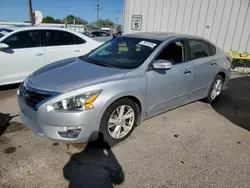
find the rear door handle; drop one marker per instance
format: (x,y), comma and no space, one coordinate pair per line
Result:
(187,71)
(214,63)
(38,53)
(76,50)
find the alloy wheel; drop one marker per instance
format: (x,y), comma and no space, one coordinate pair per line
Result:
(121,121)
(217,87)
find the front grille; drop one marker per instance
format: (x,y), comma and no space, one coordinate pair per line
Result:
(31,97)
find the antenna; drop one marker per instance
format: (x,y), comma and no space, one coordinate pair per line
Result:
(97,9)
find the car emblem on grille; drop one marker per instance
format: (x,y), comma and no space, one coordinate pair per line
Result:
(26,95)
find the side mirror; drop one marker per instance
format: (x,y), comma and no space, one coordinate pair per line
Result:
(161,64)
(3,46)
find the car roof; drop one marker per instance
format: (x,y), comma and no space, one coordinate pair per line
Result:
(162,36)
(99,31)
(24,28)
(27,28)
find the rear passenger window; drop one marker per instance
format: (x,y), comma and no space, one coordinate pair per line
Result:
(58,38)
(198,49)
(79,40)
(212,50)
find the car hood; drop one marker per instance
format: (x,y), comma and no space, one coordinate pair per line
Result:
(72,74)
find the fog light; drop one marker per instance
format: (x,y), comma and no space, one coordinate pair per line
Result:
(73,133)
(69,132)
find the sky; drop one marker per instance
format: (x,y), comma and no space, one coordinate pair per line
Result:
(17,10)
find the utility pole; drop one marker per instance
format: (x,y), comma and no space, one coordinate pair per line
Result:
(31,12)
(117,16)
(116,19)
(97,10)
(74,22)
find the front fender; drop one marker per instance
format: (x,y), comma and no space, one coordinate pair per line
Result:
(135,87)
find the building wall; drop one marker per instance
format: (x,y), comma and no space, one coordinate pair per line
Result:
(224,22)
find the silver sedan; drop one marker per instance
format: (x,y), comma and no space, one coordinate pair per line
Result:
(120,84)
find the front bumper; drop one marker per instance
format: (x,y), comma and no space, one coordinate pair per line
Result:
(47,123)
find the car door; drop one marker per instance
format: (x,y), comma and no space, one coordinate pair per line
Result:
(202,56)
(24,55)
(168,89)
(60,45)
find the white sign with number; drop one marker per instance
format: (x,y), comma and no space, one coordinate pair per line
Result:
(136,23)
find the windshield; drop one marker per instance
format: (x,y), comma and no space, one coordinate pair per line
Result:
(123,52)
(4,32)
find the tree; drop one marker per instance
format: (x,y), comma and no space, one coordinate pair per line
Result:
(50,19)
(104,23)
(70,19)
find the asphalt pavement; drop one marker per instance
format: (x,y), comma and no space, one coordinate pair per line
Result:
(197,145)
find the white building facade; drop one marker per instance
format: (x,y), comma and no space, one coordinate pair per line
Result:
(224,22)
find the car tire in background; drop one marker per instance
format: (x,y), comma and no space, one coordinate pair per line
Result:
(121,116)
(215,89)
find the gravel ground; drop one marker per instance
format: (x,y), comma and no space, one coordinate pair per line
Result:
(197,145)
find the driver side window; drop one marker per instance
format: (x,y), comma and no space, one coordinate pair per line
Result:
(173,52)
(24,39)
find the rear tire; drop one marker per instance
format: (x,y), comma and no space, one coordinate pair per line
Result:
(215,89)
(119,121)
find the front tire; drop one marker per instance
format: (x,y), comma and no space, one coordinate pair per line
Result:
(215,89)
(119,121)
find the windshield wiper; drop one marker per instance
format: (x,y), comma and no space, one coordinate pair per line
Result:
(91,61)
(102,64)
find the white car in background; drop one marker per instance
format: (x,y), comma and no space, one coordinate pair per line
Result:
(24,50)
(101,36)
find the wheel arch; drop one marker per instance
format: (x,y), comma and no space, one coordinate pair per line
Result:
(138,104)
(136,100)
(222,74)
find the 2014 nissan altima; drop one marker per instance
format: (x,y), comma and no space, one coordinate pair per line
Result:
(120,84)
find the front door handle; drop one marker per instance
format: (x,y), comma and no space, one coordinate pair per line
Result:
(214,63)
(187,71)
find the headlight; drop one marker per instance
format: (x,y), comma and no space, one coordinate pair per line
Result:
(23,84)
(80,102)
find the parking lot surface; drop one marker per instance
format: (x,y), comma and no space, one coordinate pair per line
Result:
(197,145)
